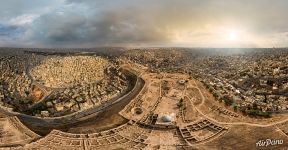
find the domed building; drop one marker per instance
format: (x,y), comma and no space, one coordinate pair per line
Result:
(166,118)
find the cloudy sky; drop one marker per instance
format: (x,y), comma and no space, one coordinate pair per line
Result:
(193,23)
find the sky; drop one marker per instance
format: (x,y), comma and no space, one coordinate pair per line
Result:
(179,23)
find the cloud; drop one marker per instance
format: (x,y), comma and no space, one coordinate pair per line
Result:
(91,23)
(23,19)
(11,32)
(100,27)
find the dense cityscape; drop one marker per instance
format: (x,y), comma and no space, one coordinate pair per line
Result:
(130,98)
(57,86)
(254,82)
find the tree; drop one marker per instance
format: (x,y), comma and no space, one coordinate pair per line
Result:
(235,108)
(228,101)
(254,106)
(180,103)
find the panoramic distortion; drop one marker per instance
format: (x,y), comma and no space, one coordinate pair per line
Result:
(143,75)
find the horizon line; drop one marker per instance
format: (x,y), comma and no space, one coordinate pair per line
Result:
(144,47)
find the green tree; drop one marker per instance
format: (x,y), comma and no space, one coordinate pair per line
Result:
(235,107)
(180,103)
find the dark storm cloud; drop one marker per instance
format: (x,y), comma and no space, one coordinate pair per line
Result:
(123,22)
(99,27)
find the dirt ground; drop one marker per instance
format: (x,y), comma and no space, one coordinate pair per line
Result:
(242,137)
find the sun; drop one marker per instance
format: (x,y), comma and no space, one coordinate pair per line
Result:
(232,35)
